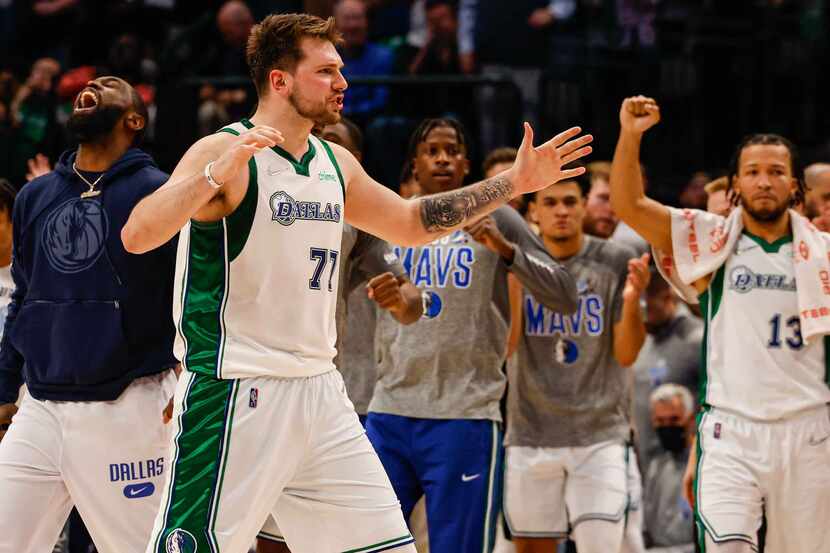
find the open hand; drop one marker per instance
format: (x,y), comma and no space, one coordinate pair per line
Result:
(536,168)
(638,278)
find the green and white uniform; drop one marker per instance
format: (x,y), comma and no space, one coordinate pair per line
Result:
(263,423)
(763,448)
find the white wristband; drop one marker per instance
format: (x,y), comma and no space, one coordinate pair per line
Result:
(213,184)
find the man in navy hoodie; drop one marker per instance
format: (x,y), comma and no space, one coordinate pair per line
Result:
(89,330)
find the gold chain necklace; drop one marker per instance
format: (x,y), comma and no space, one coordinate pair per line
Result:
(91,192)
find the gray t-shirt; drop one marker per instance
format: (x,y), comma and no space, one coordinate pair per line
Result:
(667,516)
(449,364)
(670,356)
(365,257)
(566,387)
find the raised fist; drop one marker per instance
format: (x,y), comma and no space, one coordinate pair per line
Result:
(638,114)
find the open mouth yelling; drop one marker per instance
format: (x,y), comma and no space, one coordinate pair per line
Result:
(86,101)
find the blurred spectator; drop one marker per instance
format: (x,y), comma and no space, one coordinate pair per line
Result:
(197,52)
(600,219)
(45,27)
(409,187)
(670,354)
(636,22)
(717,197)
(439,54)
(363,58)
(693,195)
(817,176)
(509,39)
(500,159)
(33,116)
(669,521)
(8,87)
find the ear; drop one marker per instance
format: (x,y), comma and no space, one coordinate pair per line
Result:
(466,167)
(415,172)
(280,80)
(134,121)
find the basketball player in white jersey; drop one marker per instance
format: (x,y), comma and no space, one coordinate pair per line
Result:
(762,445)
(263,425)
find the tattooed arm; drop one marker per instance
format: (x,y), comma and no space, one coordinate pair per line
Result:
(379,211)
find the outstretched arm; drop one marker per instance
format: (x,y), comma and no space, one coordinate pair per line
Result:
(650,219)
(379,211)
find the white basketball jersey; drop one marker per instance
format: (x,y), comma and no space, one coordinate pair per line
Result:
(756,363)
(256,292)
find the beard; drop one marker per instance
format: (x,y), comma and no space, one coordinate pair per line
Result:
(90,127)
(765,215)
(318,113)
(601,228)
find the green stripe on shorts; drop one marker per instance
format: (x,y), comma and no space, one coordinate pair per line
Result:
(199,466)
(384,545)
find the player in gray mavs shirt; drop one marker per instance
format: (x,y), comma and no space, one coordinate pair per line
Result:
(434,417)
(568,399)
(370,277)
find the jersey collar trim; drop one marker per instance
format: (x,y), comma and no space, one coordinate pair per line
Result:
(769,247)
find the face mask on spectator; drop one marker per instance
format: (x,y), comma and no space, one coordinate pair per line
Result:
(672,438)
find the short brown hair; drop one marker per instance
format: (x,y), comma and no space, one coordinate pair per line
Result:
(716,185)
(499,155)
(274,43)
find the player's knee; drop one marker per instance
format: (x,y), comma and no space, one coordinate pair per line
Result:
(598,536)
(534,545)
(732,546)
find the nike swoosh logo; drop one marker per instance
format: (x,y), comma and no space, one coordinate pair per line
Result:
(273,172)
(465,478)
(135,492)
(813,441)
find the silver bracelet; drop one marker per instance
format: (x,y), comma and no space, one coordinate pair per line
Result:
(213,184)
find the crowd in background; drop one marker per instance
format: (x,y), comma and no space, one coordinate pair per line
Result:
(571,61)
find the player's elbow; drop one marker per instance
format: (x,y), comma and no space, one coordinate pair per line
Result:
(569,299)
(131,238)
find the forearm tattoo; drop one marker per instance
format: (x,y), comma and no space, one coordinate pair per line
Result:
(450,209)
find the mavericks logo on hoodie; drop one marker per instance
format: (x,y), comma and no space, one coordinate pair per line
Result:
(74,235)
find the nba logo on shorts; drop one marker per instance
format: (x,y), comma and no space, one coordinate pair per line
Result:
(254,397)
(180,541)
(717,431)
